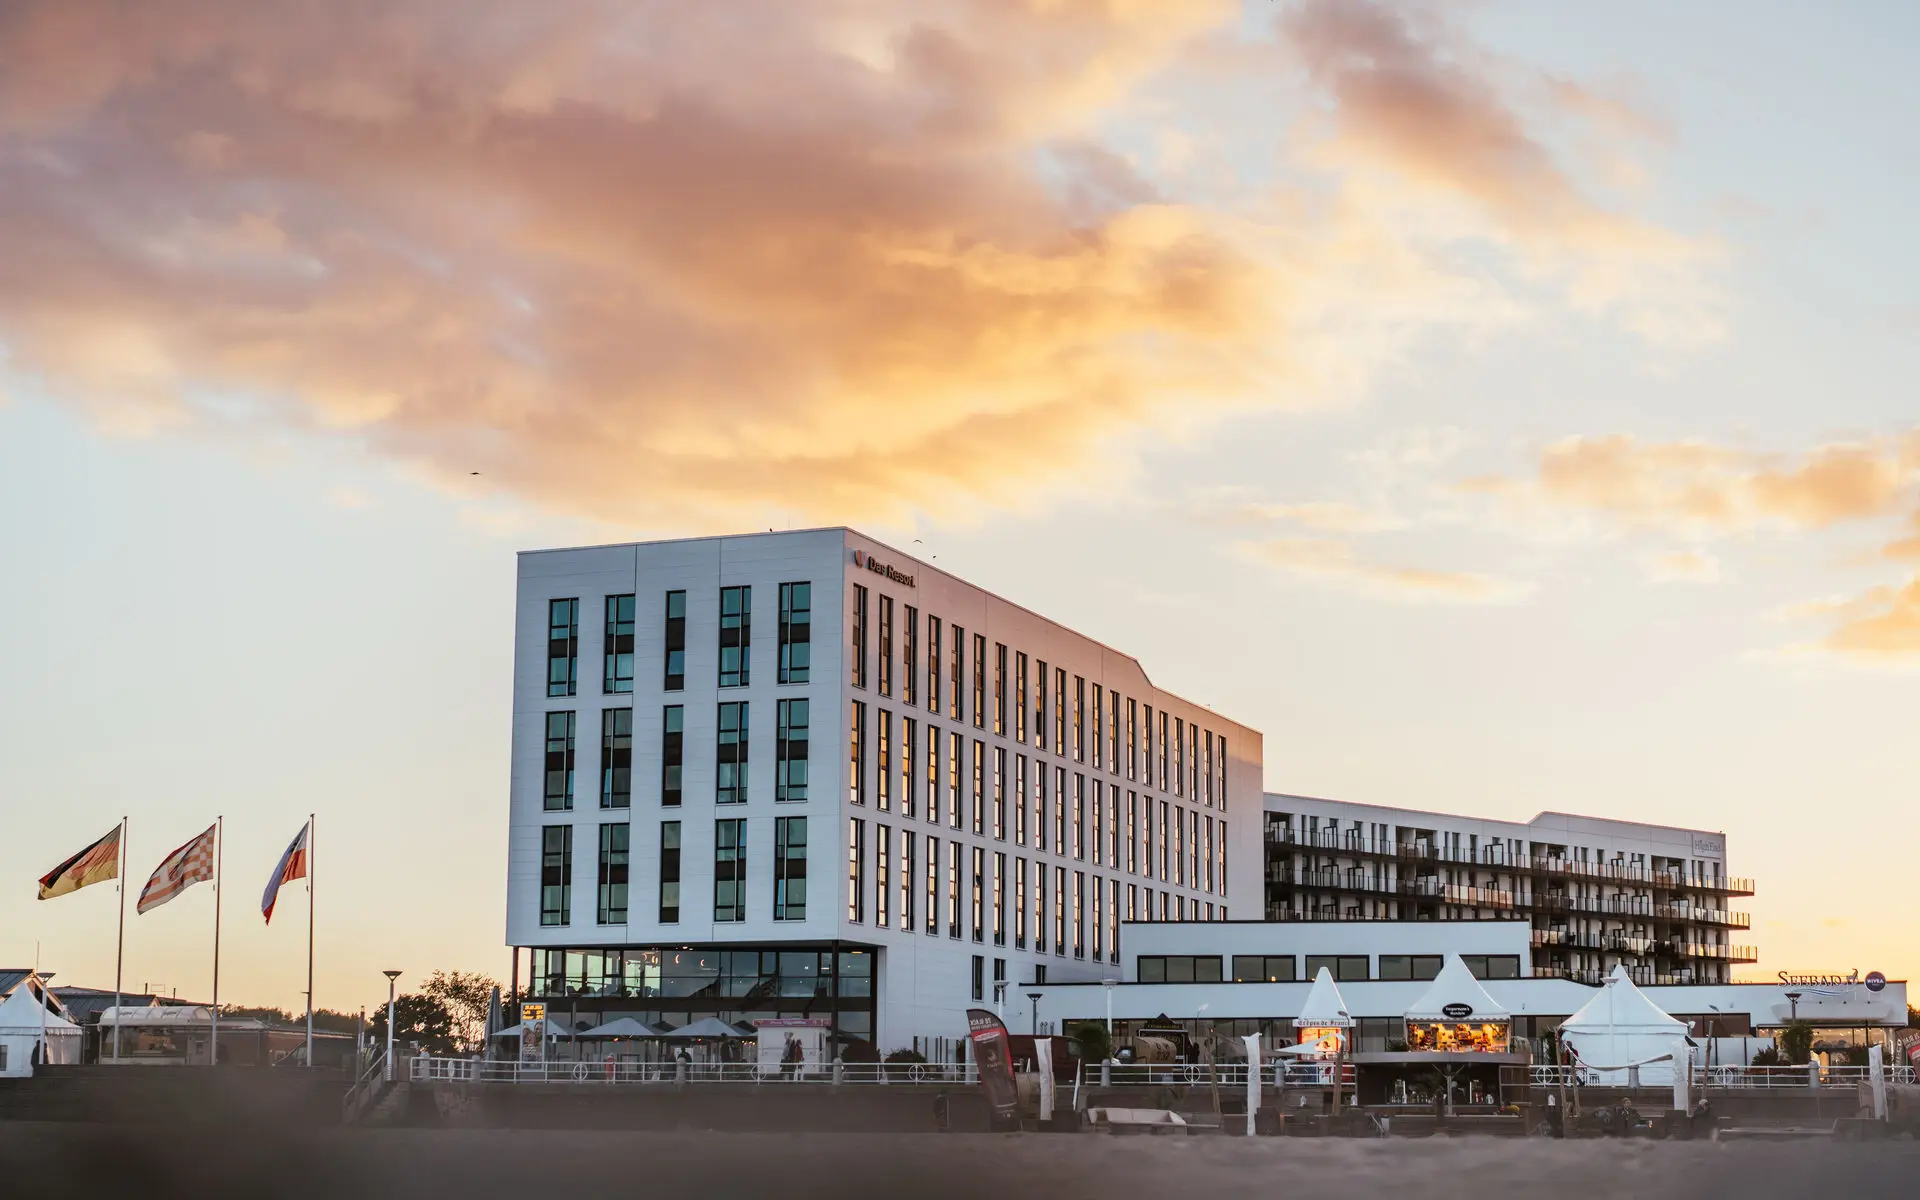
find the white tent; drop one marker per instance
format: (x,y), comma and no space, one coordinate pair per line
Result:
(1455,995)
(1325,1008)
(1619,1028)
(21,1025)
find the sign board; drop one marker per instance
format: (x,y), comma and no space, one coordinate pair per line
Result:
(993,1055)
(1456,1012)
(533,1032)
(791,1046)
(1876,981)
(867,562)
(1707,846)
(1826,980)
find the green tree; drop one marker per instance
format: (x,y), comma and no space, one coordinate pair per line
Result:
(466,996)
(1091,1041)
(418,1018)
(1796,1043)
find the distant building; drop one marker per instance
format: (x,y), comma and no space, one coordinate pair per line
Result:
(1597,893)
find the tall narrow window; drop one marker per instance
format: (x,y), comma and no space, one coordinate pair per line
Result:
(1147,825)
(563,646)
(1209,767)
(1180,846)
(730,754)
(882,848)
(1163,750)
(1020,697)
(1113,826)
(669,872)
(1000,689)
(730,869)
(858,651)
(956,750)
(672,746)
(796,632)
(1220,857)
(1019,904)
(979,925)
(789,868)
(1020,799)
(956,682)
(1096,917)
(617,673)
(1000,793)
(883,764)
(736,636)
(1113,732)
(980,682)
(1193,761)
(933,886)
(675,642)
(556,874)
(999,898)
(613,874)
(1060,711)
(1207,849)
(979,786)
(1098,741)
(1080,718)
(1193,849)
(1060,910)
(857,753)
(908,780)
(790,750)
(933,773)
(883,661)
(1223,775)
(1179,756)
(909,653)
(979,978)
(1146,739)
(1079,914)
(1099,841)
(1040,924)
(559,761)
(1133,738)
(1163,843)
(616,757)
(953,888)
(908,881)
(1133,836)
(1113,920)
(1060,811)
(933,664)
(1040,706)
(1079,815)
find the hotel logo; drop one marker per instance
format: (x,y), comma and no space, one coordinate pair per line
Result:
(868,562)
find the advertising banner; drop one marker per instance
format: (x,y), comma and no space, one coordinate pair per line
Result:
(791,1047)
(1043,1059)
(533,1033)
(993,1055)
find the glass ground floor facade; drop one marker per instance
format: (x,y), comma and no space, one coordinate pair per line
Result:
(676,985)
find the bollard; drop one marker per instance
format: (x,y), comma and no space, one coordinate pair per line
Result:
(1106,1073)
(680,1071)
(839,1071)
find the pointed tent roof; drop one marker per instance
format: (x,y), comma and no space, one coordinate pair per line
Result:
(1623,1008)
(706,1027)
(1325,1007)
(624,1027)
(1456,985)
(21,1010)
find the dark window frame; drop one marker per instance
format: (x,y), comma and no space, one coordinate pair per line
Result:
(615,865)
(736,636)
(616,758)
(796,632)
(617,646)
(556,875)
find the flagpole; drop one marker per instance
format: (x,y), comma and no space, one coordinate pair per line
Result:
(120,947)
(310,867)
(219,853)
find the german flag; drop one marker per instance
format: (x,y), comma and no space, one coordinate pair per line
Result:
(98,862)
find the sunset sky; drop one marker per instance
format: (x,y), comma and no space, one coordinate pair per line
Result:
(1504,406)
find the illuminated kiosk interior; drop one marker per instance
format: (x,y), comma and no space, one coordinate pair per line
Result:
(1324,1023)
(1457,1040)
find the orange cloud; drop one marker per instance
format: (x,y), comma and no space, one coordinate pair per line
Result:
(1335,562)
(671,264)
(1883,624)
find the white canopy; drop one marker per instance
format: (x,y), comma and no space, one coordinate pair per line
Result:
(625,1027)
(554,1032)
(707,1027)
(1620,1026)
(1325,1007)
(1455,995)
(21,1014)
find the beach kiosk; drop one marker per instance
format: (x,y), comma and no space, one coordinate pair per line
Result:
(1321,1034)
(1457,1040)
(1620,1033)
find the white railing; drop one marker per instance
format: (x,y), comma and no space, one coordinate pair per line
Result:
(1767,1078)
(603,1073)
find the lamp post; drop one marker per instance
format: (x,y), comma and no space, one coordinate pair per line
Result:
(1793,999)
(1033,998)
(1000,999)
(391,976)
(1107,985)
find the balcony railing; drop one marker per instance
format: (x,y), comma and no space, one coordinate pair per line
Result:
(1497,857)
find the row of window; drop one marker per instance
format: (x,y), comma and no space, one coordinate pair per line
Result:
(1279,968)
(729,872)
(1191,761)
(1182,846)
(735,640)
(993,901)
(904,883)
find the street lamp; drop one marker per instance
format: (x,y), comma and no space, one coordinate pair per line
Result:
(1108,984)
(1793,998)
(391,976)
(1034,1015)
(1000,999)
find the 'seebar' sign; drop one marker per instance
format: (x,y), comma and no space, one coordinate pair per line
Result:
(868,562)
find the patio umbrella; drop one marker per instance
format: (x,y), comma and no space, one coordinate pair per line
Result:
(706,1028)
(625,1027)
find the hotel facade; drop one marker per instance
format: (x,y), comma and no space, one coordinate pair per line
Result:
(805,776)
(1596,893)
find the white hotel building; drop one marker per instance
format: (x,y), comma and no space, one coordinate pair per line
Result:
(805,775)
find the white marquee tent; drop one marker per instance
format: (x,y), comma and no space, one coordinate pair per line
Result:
(1455,995)
(1621,1028)
(21,1028)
